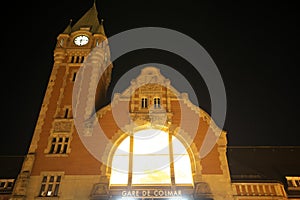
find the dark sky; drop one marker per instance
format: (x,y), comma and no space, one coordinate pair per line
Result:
(254,45)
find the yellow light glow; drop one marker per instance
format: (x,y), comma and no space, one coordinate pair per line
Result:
(151,160)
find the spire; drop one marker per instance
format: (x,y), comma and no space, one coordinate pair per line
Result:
(68,28)
(101,28)
(89,19)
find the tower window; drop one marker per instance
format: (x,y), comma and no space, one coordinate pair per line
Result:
(59,145)
(66,115)
(74,76)
(50,185)
(81,59)
(156,102)
(77,59)
(144,103)
(72,59)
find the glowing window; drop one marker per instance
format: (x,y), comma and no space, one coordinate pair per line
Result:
(144,103)
(156,102)
(146,158)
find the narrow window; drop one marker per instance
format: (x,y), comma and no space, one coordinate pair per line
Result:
(53,143)
(72,59)
(81,59)
(156,102)
(66,113)
(77,59)
(50,186)
(74,76)
(43,187)
(57,186)
(144,103)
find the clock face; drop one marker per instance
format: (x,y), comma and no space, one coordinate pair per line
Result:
(81,40)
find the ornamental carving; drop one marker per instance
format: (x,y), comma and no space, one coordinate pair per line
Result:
(99,191)
(150,88)
(61,126)
(202,189)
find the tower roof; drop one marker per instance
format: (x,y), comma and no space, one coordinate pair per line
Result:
(89,19)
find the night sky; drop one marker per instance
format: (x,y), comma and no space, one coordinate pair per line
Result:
(254,45)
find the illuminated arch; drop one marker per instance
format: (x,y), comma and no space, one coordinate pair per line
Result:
(150,157)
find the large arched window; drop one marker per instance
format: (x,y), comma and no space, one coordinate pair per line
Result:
(151,157)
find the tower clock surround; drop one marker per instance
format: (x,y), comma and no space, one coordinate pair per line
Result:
(81,40)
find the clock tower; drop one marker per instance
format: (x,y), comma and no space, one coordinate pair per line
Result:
(76,42)
(49,154)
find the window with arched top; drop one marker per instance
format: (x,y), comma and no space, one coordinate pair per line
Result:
(150,157)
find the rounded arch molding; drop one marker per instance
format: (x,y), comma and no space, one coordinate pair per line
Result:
(180,134)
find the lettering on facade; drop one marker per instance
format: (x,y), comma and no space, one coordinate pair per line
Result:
(150,193)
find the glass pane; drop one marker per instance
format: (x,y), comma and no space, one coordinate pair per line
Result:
(151,141)
(65,149)
(56,190)
(44,179)
(49,191)
(119,170)
(120,163)
(151,169)
(58,148)
(52,148)
(151,160)
(182,169)
(178,147)
(42,191)
(58,178)
(123,148)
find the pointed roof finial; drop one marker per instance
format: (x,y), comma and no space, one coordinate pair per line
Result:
(69,27)
(101,28)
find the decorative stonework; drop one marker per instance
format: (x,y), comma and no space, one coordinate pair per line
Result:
(21,184)
(99,192)
(62,126)
(204,115)
(150,88)
(202,189)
